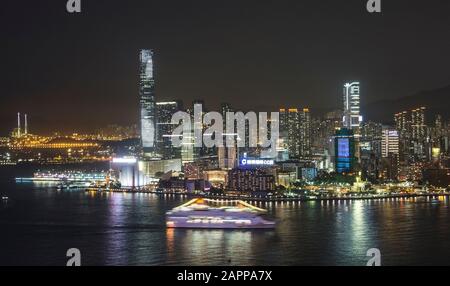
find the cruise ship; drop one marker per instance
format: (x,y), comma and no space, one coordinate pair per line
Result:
(198,214)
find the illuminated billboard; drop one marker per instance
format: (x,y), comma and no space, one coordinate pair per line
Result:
(343,147)
(255,162)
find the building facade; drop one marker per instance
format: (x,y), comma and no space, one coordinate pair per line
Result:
(147,103)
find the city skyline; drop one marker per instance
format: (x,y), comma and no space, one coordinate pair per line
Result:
(216,61)
(211,133)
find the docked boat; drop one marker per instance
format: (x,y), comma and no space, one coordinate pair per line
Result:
(198,214)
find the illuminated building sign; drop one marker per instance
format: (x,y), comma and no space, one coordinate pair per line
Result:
(256,162)
(124,160)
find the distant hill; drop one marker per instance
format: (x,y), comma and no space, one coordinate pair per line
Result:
(436,101)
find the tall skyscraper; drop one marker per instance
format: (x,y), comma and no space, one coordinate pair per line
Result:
(305,133)
(293,128)
(418,124)
(344,143)
(147,103)
(352,118)
(402,123)
(389,142)
(413,134)
(164,129)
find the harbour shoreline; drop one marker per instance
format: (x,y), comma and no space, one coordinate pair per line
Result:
(271,198)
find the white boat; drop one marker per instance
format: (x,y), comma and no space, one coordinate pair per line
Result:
(197,214)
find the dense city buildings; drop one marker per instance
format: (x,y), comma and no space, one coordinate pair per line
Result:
(334,148)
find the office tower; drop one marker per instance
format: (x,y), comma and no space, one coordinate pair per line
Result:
(371,134)
(187,148)
(418,124)
(402,123)
(403,126)
(282,144)
(227,155)
(293,132)
(344,143)
(413,134)
(389,142)
(305,133)
(164,129)
(147,103)
(352,118)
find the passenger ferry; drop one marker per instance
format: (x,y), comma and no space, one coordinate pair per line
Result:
(198,214)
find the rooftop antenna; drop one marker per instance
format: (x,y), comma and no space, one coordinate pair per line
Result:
(18,124)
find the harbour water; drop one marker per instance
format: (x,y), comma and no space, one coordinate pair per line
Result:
(39,223)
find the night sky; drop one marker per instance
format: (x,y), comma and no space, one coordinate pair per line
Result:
(80,71)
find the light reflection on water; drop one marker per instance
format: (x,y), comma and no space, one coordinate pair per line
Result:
(40,224)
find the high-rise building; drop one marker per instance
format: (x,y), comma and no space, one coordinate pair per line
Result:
(389,142)
(402,123)
(305,133)
(147,103)
(352,118)
(412,130)
(164,128)
(344,143)
(293,134)
(418,124)
(295,130)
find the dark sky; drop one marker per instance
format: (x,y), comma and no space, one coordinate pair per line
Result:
(79,71)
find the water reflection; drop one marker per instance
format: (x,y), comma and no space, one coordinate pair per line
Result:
(226,247)
(129,229)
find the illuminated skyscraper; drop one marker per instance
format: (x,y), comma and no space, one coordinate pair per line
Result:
(418,124)
(147,103)
(352,118)
(305,133)
(344,143)
(389,142)
(164,128)
(293,128)
(295,131)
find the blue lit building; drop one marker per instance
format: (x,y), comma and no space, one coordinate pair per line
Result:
(344,143)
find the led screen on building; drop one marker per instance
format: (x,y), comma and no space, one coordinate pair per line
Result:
(343,147)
